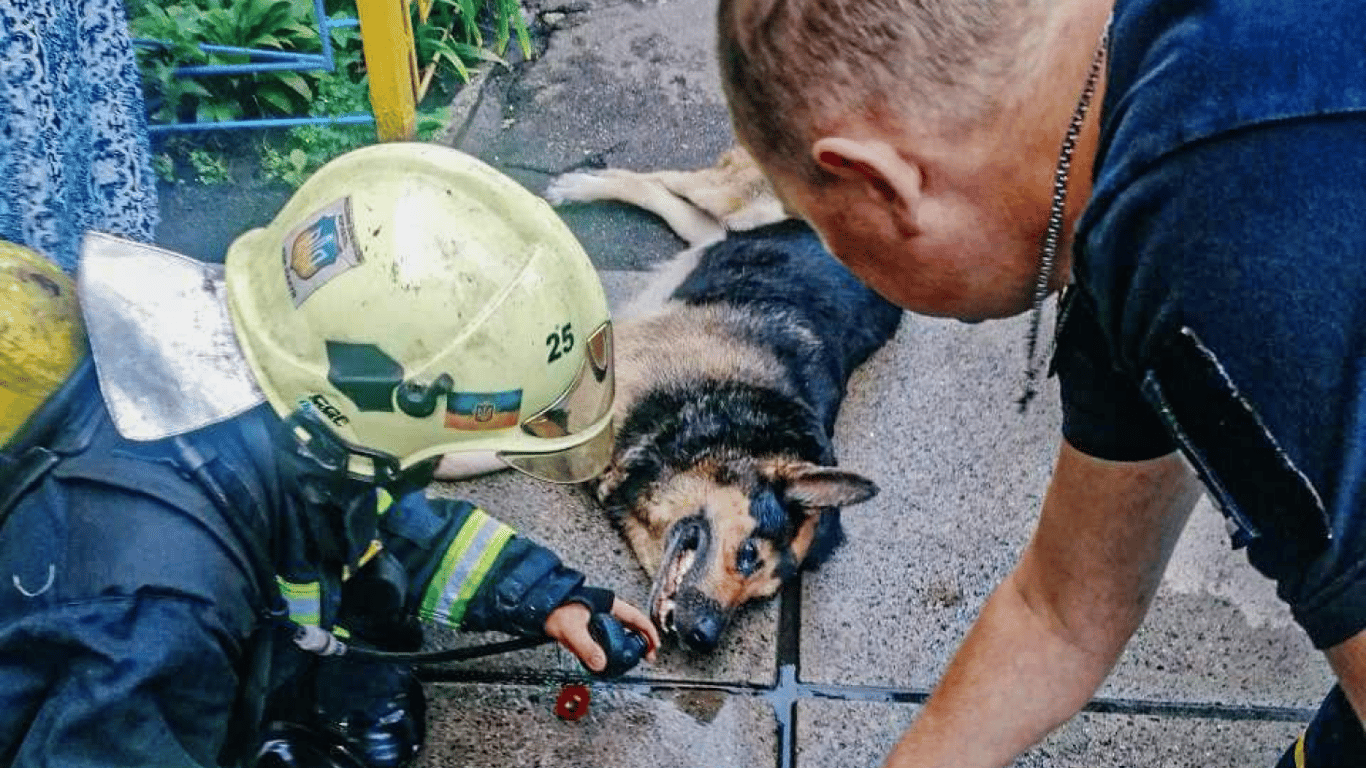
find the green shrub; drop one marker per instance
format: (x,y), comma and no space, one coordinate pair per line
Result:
(209,168)
(457,34)
(305,148)
(279,25)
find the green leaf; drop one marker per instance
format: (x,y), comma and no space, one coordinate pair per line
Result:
(295,82)
(218,112)
(276,98)
(523,35)
(502,13)
(469,16)
(190,87)
(474,53)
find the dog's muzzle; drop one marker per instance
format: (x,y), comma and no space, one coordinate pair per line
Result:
(699,621)
(678,607)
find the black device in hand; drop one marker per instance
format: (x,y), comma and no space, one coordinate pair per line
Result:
(624,647)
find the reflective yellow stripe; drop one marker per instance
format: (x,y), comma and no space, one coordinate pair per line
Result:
(1299,750)
(457,590)
(463,567)
(383,501)
(304,601)
(476,576)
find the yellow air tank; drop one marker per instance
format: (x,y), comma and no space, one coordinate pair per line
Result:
(41,334)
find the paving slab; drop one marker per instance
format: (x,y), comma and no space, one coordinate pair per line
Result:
(617,83)
(858,734)
(502,726)
(932,419)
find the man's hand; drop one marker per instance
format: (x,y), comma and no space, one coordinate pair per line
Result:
(568,624)
(1048,636)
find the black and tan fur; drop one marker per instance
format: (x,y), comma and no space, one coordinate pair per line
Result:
(730,369)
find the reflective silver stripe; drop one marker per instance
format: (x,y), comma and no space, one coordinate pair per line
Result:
(469,560)
(303,600)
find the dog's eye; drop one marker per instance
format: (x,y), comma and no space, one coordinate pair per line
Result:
(747,559)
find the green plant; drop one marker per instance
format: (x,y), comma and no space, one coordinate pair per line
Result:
(209,168)
(452,35)
(164,167)
(450,40)
(456,35)
(180,29)
(305,148)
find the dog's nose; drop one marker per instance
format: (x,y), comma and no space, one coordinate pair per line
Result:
(704,635)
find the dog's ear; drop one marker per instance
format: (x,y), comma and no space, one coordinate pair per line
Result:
(813,486)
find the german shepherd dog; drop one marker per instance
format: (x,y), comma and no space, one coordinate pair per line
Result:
(731,368)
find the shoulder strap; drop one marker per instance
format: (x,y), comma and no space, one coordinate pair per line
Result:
(59,428)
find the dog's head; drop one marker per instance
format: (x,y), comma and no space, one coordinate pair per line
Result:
(726,532)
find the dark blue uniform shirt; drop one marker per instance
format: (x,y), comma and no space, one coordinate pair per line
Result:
(1220,296)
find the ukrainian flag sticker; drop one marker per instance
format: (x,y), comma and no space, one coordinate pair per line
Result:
(478,411)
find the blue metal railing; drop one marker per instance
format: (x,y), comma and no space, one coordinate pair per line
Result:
(266,60)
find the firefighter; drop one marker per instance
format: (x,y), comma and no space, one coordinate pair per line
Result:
(233,470)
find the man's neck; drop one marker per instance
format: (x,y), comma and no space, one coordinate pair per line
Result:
(1071,41)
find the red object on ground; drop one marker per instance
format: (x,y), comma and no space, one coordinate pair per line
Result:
(573,702)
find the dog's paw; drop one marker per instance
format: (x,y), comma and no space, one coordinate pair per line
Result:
(576,187)
(463,466)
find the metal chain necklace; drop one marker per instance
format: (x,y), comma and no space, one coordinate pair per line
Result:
(1048,250)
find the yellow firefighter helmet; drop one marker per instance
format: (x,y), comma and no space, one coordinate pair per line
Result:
(416,302)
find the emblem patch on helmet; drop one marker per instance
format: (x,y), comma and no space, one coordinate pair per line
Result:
(476,411)
(318,250)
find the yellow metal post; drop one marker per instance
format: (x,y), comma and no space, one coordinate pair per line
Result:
(386,32)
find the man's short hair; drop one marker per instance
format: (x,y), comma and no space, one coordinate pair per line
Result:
(788,66)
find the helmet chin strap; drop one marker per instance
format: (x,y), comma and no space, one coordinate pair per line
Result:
(327,456)
(319,468)
(1048,249)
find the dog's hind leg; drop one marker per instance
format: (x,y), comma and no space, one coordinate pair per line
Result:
(686,220)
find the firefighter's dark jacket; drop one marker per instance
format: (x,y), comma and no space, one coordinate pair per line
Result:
(145,586)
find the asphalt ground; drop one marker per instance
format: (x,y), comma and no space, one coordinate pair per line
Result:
(833,670)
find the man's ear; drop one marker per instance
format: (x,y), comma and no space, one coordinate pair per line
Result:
(888,177)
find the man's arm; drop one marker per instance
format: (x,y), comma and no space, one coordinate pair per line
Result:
(1050,633)
(1348,660)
